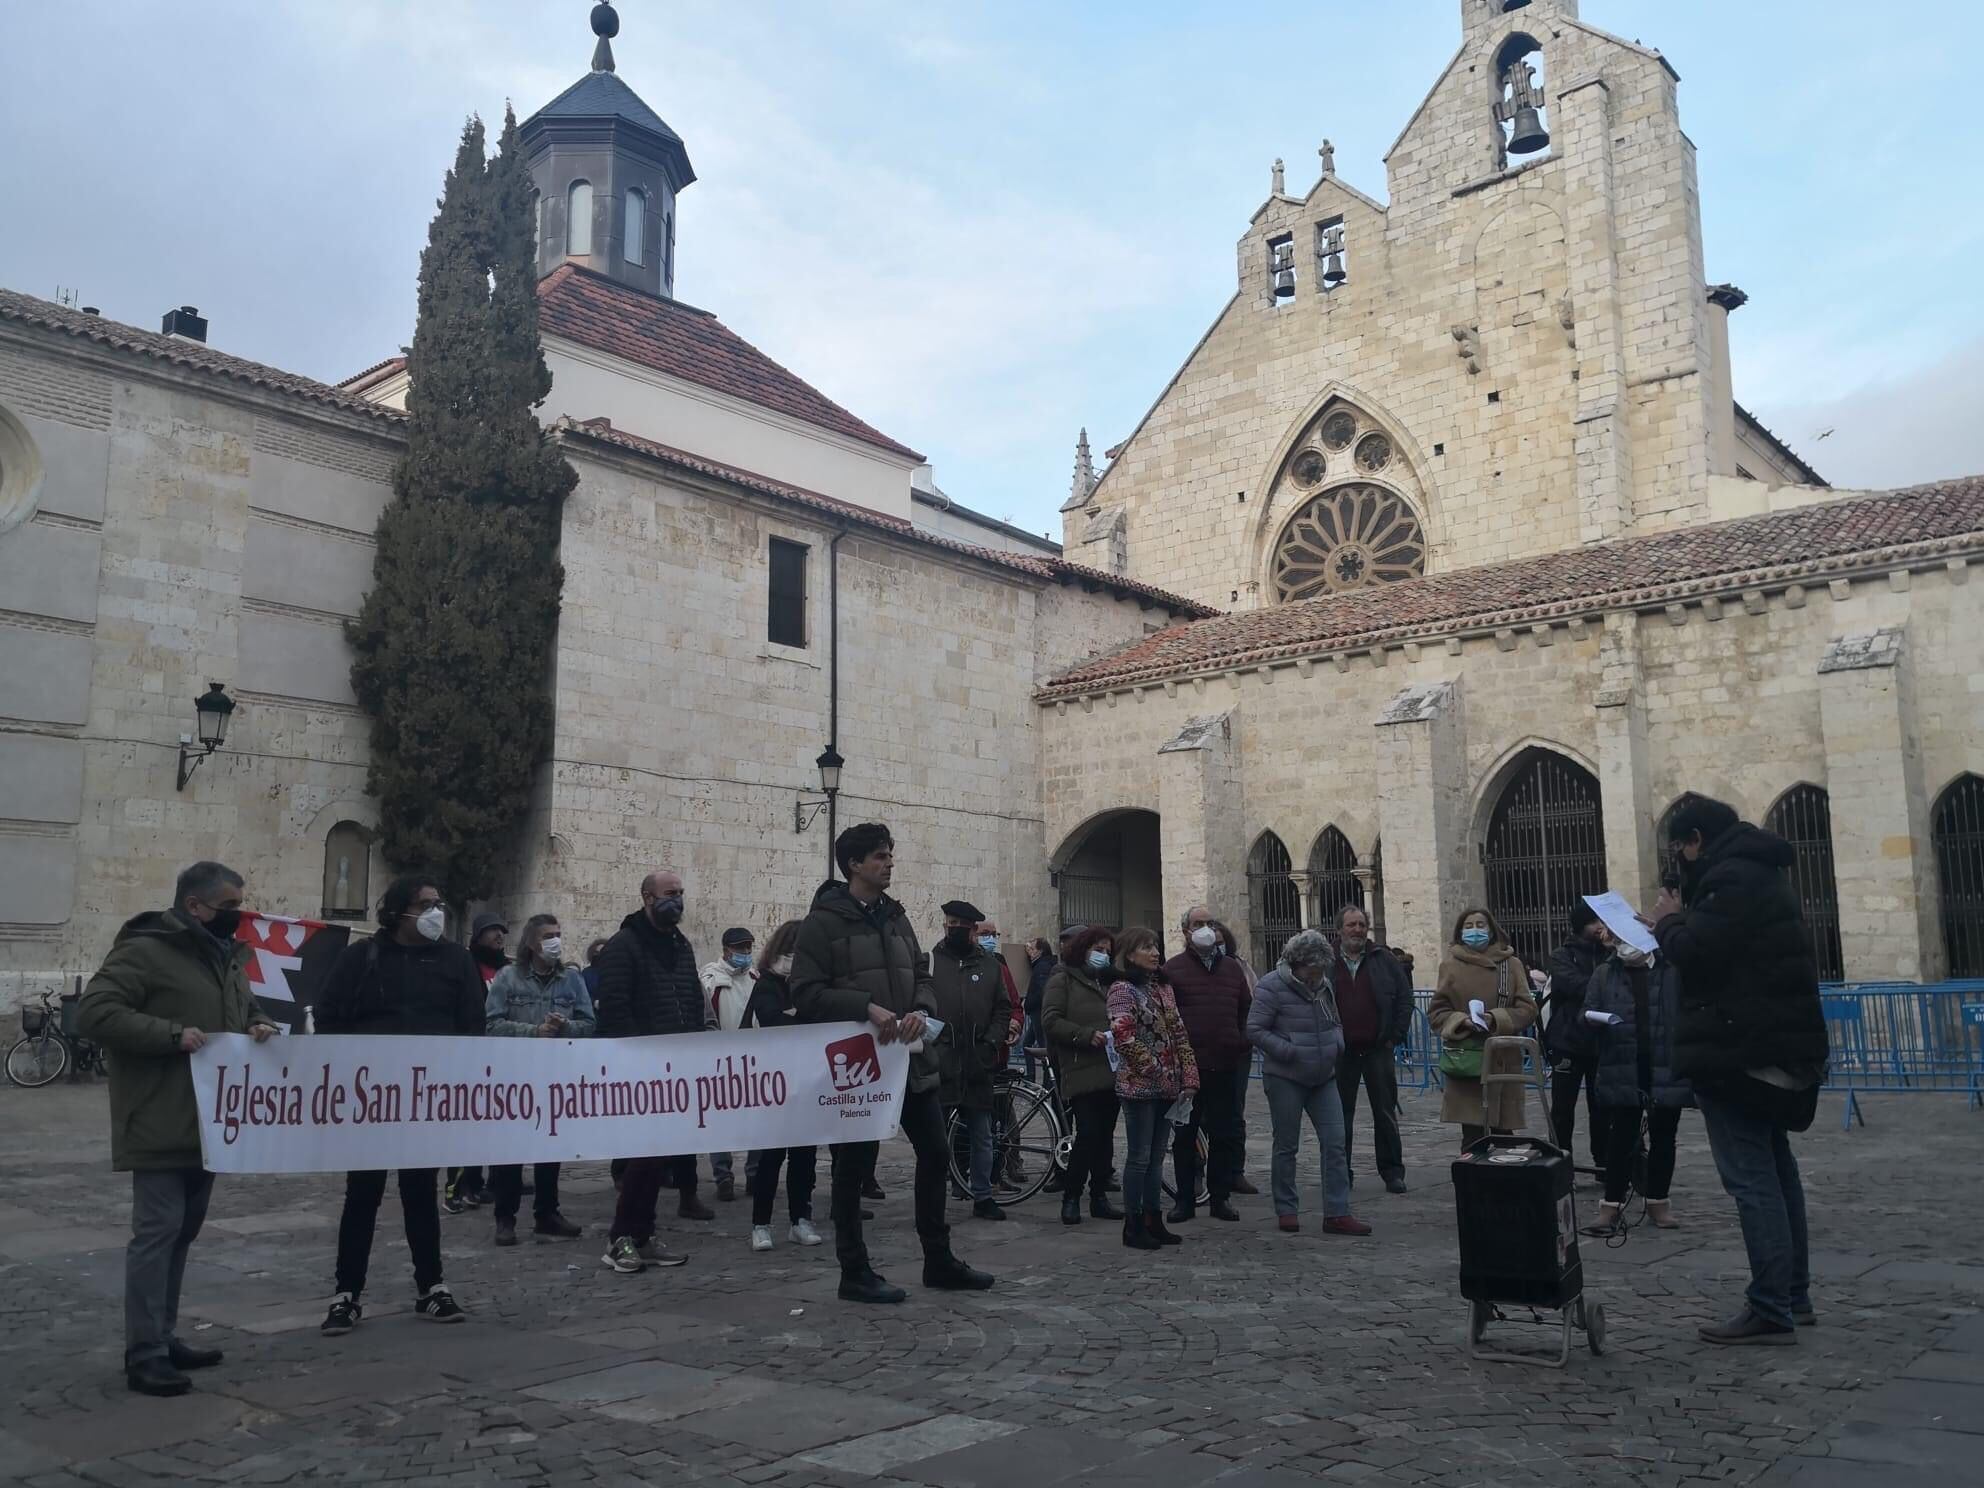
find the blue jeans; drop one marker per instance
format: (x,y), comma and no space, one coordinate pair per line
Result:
(1288,1103)
(978,1124)
(1147,1134)
(1753,1156)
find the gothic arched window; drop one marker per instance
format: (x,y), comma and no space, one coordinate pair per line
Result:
(347,871)
(578,220)
(634,238)
(1803,818)
(1274,903)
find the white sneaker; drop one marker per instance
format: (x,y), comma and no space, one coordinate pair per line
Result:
(761,1237)
(803,1232)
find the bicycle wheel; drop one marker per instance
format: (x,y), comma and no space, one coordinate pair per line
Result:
(1035,1135)
(1204,1195)
(37,1060)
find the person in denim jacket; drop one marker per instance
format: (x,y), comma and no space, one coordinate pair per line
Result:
(536,996)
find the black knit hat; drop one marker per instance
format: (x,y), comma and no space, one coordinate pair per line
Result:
(962,909)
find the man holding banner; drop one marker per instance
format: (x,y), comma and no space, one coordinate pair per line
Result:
(857,960)
(404,980)
(170,979)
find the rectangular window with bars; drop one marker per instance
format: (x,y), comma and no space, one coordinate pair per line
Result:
(785,622)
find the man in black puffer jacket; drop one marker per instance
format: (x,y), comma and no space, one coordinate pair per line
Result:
(648,984)
(857,961)
(1751,1036)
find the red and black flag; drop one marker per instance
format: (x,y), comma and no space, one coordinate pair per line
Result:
(289,961)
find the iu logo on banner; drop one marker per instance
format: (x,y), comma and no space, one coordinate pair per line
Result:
(288,961)
(853,1062)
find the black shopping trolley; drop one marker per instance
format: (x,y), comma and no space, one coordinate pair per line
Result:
(1517,1213)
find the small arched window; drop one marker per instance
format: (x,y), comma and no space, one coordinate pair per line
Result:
(578,220)
(347,871)
(634,244)
(1522,110)
(1274,903)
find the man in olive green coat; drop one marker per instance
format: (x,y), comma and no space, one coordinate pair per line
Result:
(172,977)
(857,961)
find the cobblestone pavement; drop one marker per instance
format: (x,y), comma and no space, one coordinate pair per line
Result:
(1245,1356)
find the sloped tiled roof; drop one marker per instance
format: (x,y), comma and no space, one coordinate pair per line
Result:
(1812,477)
(46,315)
(1947,516)
(378,372)
(688,343)
(1036,565)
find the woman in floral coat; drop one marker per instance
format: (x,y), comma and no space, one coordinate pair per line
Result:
(1154,1067)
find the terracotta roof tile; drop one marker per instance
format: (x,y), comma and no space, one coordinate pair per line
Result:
(27,310)
(688,343)
(376,373)
(1631,572)
(1036,566)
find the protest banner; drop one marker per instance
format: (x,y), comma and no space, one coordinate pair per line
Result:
(330,1103)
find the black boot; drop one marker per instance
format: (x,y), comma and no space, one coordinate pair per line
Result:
(1182,1211)
(947,1273)
(868,1286)
(1134,1236)
(1100,1207)
(1154,1227)
(1221,1208)
(156,1377)
(1071,1208)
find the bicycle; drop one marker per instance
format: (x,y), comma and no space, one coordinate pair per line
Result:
(1028,1120)
(49,1044)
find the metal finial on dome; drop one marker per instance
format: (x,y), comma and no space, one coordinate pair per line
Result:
(606,26)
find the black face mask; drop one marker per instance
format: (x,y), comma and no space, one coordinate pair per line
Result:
(224,923)
(666,913)
(957,940)
(490,955)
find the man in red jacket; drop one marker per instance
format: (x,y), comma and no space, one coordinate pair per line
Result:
(1213,998)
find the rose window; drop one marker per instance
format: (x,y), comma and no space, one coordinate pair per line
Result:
(1308,468)
(1339,429)
(1345,539)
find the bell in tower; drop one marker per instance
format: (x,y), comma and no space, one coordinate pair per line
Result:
(607,171)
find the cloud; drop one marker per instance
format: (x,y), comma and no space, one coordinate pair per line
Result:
(1919,426)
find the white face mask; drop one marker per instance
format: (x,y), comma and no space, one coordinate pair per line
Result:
(551,947)
(1205,938)
(782,966)
(431,922)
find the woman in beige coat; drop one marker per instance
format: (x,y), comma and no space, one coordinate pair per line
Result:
(1483,991)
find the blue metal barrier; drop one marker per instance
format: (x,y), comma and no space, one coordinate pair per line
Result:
(1901,1036)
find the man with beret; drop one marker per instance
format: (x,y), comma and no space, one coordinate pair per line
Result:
(977,1015)
(727,984)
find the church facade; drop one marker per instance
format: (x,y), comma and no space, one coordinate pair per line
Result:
(1443,566)
(1508,569)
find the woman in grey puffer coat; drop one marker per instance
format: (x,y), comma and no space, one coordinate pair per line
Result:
(1294,1024)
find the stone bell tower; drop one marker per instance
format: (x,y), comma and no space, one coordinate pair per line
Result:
(607,171)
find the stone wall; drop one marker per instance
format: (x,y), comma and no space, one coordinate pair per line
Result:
(190,530)
(186,534)
(1414,742)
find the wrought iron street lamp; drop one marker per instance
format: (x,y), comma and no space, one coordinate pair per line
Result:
(212,708)
(806,811)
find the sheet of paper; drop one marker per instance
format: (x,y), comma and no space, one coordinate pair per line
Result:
(1623,921)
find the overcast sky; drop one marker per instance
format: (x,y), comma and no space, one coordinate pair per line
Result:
(982,225)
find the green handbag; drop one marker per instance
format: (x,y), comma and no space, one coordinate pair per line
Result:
(1464,1060)
(1461,1059)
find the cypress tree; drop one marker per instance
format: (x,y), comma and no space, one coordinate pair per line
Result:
(453,645)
